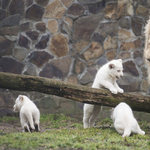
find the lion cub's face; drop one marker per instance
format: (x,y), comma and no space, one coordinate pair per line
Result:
(18,103)
(116,69)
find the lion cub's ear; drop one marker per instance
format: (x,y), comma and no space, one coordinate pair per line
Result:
(120,60)
(111,66)
(21,98)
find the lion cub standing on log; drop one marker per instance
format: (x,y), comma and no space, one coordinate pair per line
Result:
(29,113)
(124,121)
(106,77)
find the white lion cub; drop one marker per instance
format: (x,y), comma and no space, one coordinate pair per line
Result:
(29,113)
(124,121)
(106,77)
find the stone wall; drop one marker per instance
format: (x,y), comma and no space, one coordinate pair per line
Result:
(69,40)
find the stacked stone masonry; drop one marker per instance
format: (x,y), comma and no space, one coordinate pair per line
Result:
(69,40)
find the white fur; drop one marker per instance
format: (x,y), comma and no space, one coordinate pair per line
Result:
(124,121)
(106,77)
(147,47)
(29,113)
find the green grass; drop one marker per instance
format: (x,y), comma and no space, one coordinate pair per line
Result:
(61,132)
(8,119)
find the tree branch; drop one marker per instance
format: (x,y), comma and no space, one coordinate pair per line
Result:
(73,91)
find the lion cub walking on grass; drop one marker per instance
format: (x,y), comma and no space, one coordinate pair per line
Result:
(106,77)
(29,113)
(124,121)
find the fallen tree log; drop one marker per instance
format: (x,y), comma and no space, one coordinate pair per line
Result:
(73,91)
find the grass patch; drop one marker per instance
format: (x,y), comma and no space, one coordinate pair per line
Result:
(62,132)
(8,119)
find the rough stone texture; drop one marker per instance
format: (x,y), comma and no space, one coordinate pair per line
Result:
(125,46)
(67,3)
(124,23)
(20,53)
(25,26)
(138,53)
(144,71)
(32,34)
(137,25)
(111,54)
(41,26)
(35,13)
(138,57)
(142,11)
(111,11)
(65,29)
(57,68)
(145,85)
(54,10)
(99,37)
(3,14)
(11,65)
(110,43)
(39,57)
(78,66)
(23,41)
(11,21)
(130,68)
(5,46)
(114,10)
(86,78)
(5,3)
(69,21)
(48,103)
(42,44)
(102,61)
(81,45)
(92,70)
(42,3)
(9,30)
(94,51)
(6,100)
(125,35)
(75,10)
(73,79)
(59,45)
(31,70)
(129,83)
(52,26)
(88,1)
(124,55)
(29,3)
(80,30)
(96,8)
(16,7)
(110,28)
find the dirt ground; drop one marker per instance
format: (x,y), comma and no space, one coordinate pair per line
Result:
(10,127)
(15,127)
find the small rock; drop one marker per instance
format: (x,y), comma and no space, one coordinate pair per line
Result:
(75,10)
(59,45)
(23,41)
(42,44)
(39,57)
(35,13)
(41,26)
(54,10)
(52,26)
(11,65)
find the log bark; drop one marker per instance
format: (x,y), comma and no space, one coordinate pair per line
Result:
(73,91)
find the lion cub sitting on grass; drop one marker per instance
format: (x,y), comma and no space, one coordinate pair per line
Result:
(29,113)
(106,77)
(124,121)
